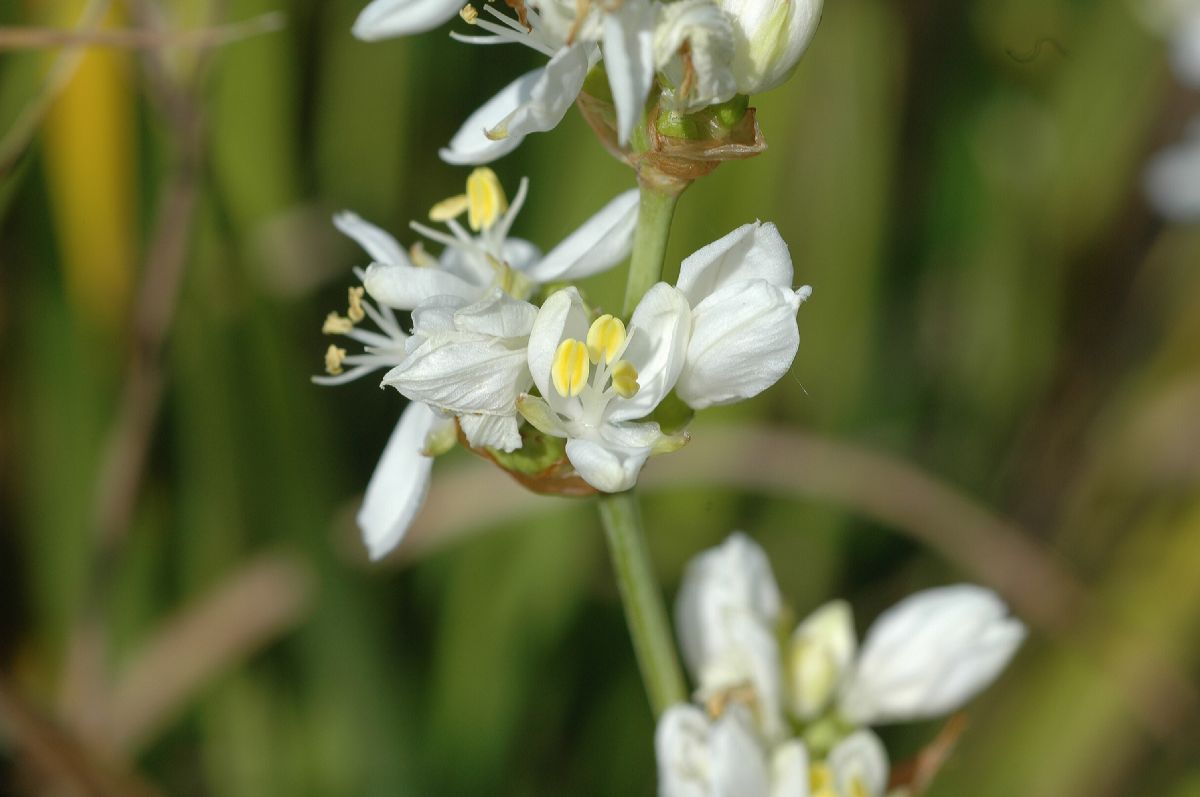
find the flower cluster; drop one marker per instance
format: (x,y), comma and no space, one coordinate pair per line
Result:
(517,368)
(685,55)
(792,718)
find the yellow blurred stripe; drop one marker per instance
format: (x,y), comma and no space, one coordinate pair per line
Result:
(89,156)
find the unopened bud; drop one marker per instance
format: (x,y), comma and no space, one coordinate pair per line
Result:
(771,35)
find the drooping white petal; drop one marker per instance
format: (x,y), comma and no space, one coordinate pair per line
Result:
(819,658)
(382,19)
(463,372)
(860,765)
(549,97)
(534,102)
(752,251)
(497,315)
(608,468)
(658,339)
(629,60)
(789,770)
(929,654)
(747,656)
(491,431)
(600,243)
(406,287)
(561,316)
(400,481)
(744,339)
(378,243)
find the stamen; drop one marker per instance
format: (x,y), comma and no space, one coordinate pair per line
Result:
(336,325)
(450,208)
(468,14)
(355,312)
(820,778)
(333,360)
(570,370)
(625,379)
(419,257)
(605,339)
(485,199)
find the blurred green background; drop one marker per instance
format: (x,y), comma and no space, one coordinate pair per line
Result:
(998,381)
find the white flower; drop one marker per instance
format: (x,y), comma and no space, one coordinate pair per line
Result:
(401,479)
(726,614)
(1172,179)
(744,333)
(596,380)
(699,757)
(693,47)
(480,255)
(770,37)
(469,361)
(929,654)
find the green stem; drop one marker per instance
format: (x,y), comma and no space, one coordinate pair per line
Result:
(656,208)
(642,599)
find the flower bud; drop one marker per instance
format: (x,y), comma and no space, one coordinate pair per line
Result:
(769,38)
(820,654)
(930,654)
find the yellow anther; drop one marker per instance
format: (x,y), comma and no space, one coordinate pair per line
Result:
(858,788)
(625,379)
(486,202)
(605,339)
(820,777)
(419,257)
(570,369)
(336,325)
(333,360)
(356,312)
(448,209)
(468,14)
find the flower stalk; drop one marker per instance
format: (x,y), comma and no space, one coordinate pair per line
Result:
(656,209)
(642,599)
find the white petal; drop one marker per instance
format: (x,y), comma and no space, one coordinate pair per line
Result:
(600,243)
(748,655)
(629,60)
(562,316)
(608,468)
(491,431)
(406,287)
(382,19)
(462,372)
(434,316)
(752,251)
(738,760)
(657,348)
(860,765)
(379,244)
(1185,49)
(744,339)
(549,97)
(1172,178)
(498,315)
(819,658)
(929,654)
(789,770)
(681,749)
(400,481)
(521,254)
(534,102)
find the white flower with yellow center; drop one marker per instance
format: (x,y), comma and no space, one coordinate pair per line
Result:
(597,379)
(701,755)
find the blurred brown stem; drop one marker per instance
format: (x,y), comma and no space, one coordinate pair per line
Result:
(27,38)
